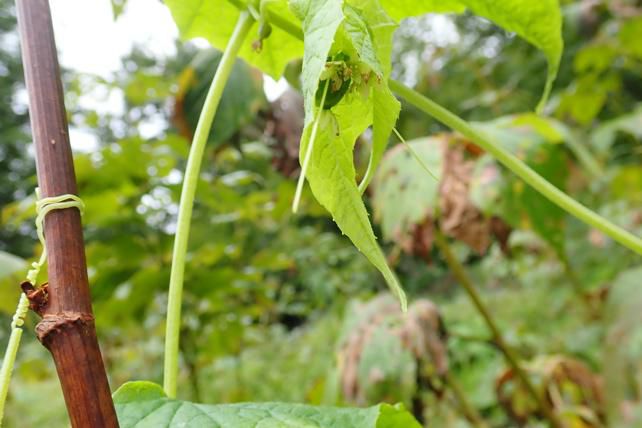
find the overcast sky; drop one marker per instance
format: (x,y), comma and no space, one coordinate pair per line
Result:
(89,40)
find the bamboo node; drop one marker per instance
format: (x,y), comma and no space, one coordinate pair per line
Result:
(52,324)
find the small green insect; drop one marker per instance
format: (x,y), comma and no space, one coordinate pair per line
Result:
(339,77)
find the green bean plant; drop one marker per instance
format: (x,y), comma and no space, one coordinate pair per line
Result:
(346,47)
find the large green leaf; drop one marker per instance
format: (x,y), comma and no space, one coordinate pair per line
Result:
(370,30)
(215,20)
(144,404)
(538,22)
(332,178)
(320,21)
(339,29)
(377,30)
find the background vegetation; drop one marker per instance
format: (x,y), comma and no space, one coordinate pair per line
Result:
(269,304)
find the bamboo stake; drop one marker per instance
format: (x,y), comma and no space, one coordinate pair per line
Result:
(67,329)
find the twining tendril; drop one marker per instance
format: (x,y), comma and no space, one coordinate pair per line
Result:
(43,207)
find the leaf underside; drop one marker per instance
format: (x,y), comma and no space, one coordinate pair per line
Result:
(144,404)
(331,27)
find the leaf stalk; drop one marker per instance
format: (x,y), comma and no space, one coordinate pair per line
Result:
(308,152)
(192,172)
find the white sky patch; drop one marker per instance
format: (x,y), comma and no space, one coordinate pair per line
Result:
(82,140)
(90,41)
(274,89)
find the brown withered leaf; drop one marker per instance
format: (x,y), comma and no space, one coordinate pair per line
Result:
(571,388)
(460,218)
(419,333)
(406,199)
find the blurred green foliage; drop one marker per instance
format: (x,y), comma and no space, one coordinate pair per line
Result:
(267,292)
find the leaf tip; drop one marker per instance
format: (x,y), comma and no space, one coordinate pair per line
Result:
(398,291)
(553,66)
(404,302)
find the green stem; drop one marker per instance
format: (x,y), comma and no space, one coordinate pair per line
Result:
(414,154)
(466,408)
(190,181)
(12,351)
(308,153)
(570,274)
(519,168)
(512,360)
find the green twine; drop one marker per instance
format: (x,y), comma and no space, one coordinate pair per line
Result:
(43,207)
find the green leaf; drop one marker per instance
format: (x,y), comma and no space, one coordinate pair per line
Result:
(386,109)
(538,22)
(377,31)
(214,20)
(404,194)
(369,32)
(320,20)
(338,29)
(332,178)
(144,404)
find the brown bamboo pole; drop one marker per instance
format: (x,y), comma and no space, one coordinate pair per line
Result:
(67,329)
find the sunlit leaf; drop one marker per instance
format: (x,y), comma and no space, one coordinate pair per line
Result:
(215,20)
